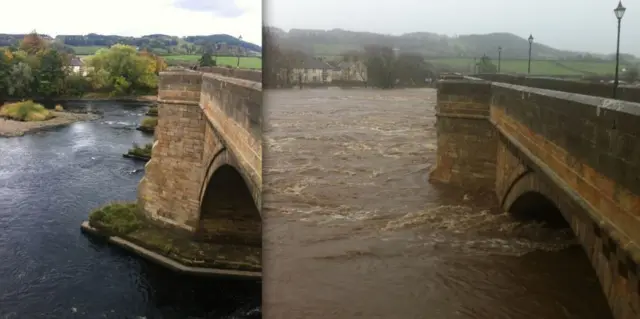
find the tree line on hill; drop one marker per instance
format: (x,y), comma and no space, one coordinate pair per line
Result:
(158,42)
(384,67)
(430,45)
(37,69)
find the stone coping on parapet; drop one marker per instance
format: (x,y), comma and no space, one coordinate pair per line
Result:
(237,81)
(168,262)
(630,108)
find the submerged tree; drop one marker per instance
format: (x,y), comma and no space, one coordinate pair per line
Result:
(381,66)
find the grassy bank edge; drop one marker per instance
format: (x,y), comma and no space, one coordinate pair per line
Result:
(125,221)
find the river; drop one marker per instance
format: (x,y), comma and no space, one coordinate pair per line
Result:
(354,229)
(49,182)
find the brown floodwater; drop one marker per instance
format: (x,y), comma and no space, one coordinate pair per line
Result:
(353,228)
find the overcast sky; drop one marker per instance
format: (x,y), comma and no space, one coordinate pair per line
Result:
(135,17)
(580,25)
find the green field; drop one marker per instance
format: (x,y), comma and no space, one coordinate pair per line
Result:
(86,50)
(538,67)
(245,62)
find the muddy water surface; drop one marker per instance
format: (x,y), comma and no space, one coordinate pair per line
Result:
(355,230)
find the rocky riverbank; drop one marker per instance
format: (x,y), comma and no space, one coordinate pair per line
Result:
(10,128)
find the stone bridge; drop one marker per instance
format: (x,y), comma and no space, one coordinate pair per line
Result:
(549,154)
(205,172)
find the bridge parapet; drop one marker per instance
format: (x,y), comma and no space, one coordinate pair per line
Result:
(578,151)
(234,108)
(624,92)
(251,75)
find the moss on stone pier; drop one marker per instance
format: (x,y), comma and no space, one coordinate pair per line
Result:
(125,221)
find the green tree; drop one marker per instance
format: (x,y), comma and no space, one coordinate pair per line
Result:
(122,70)
(486,66)
(21,76)
(5,71)
(51,74)
(412,69)
(381,66)
(632,74)
(207,59)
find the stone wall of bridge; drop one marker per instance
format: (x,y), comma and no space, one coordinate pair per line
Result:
(624,92)
(578,152)
(205,174)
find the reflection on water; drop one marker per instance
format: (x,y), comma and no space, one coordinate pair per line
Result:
(49,182)
(354,229)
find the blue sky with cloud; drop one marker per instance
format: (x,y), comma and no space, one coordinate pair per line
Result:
(137,17)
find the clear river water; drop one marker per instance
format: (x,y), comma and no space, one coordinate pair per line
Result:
(49,182)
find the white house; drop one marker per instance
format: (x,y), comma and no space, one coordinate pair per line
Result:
(77,66)
(311,70)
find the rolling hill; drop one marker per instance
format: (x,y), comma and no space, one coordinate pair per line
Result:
(159,43)
(431,45)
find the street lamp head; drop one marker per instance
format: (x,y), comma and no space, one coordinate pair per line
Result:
(619,10)
(499,48)
(530,38)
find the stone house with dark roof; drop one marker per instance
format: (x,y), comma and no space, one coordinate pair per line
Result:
(311,70)
(77,66)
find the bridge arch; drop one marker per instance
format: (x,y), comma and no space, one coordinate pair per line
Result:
(529,198)
(228,208)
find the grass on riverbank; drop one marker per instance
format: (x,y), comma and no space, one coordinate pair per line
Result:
(116,218)
(144,151)
(126,221)
(25,111)
(153,111)
(148,124)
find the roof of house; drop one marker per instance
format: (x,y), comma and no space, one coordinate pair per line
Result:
(309,62)
(75,61)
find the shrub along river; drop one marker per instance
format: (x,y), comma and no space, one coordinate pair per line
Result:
(49,182)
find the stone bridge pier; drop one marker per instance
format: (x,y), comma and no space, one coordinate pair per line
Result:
(205,173)
(552,156)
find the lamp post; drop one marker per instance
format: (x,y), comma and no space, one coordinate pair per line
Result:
(499,56)
(619,12)
(530,42)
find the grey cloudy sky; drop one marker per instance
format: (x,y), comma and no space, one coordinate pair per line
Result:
(580,25)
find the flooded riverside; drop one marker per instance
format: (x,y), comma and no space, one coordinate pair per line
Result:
(353,228)
(49,182)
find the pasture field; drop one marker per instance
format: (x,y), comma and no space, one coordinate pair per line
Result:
(538,67)
(245,62)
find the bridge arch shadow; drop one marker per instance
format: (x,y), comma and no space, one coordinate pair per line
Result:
(228,212)
(530,199)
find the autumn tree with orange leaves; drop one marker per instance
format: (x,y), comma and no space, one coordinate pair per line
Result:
(32,43)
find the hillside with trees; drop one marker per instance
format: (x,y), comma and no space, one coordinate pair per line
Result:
(157,43)
(430,45)
(34,68)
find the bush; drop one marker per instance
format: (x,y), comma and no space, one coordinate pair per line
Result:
(153,111)
(144,151)
(117,218)
(59,108)
(77,85)
(26,111)
(149,122)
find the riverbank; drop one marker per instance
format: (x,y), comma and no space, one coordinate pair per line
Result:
(122,226)
(93,97)
(10,128)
